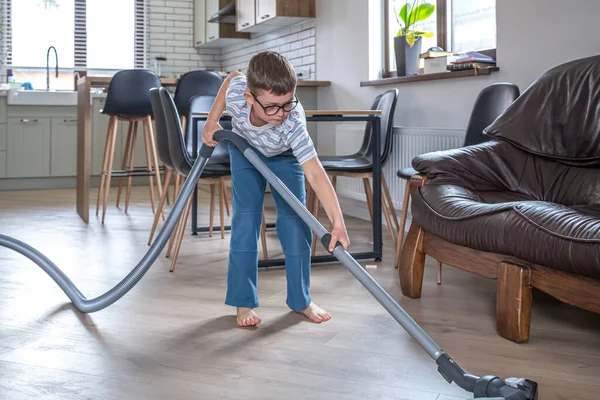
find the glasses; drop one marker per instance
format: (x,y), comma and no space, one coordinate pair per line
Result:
(272,110)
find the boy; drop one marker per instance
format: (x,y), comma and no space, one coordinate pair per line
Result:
(266,112)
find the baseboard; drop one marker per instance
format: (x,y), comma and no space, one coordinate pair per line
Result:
(66,182)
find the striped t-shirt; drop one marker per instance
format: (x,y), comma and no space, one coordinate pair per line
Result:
(269,139)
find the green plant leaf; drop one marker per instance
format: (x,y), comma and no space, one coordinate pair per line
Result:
(410,38)
(404,11)
(425,34)
(421,12)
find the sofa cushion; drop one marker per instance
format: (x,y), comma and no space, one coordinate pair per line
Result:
(509,223)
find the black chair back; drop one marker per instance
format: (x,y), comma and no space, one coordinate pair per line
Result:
(129,93)
(162,137)
(180,158)
(386,102)
(195,83)
(489,105)
(203,104)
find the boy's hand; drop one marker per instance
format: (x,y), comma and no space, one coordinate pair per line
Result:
(210,127)
(339,234)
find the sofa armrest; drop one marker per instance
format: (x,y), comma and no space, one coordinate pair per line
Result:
(489,166)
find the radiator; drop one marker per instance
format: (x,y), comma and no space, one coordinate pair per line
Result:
(407,144)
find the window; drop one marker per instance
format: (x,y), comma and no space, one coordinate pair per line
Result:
(37,25)
(458,26)
(100,35)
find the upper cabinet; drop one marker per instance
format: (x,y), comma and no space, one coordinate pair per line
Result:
(199,22)
(246,14)
(268,15)
(213,34)
(267,9)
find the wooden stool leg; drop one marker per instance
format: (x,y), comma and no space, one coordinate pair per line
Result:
(225,196)
(124,162)
(111,155)
(148,125)
(149,164)
(513,303)
(131,166)
(168,177)
(388,221)
(388,196)
(104,163)
(174,233)
(402,222)
(181,232)
(369,195)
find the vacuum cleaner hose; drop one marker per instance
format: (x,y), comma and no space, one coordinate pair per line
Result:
(96,304)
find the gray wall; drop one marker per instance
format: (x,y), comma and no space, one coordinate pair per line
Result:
(525,49)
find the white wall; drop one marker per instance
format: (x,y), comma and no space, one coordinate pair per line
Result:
(525,49)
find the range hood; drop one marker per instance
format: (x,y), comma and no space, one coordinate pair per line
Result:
(225,15)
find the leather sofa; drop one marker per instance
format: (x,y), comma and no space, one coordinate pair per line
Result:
(522,208)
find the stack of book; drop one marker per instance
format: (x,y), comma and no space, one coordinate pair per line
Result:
(471,60)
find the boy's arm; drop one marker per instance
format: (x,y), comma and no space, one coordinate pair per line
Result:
(214,116)
(318,180)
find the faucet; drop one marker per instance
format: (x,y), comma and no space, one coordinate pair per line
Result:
(48,65)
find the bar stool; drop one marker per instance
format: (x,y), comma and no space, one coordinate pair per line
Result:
(128,100)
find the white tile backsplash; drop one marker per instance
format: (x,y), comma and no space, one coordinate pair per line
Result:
(296,42)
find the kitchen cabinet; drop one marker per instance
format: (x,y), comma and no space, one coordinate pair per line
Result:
(284,12)
(3,105)
(266,10)
(200,22)
(221,34)
(270,15)
(246,14)
(2,164)
(28,147)
(2,137)
(63,147)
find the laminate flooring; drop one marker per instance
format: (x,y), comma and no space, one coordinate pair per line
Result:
(171,336)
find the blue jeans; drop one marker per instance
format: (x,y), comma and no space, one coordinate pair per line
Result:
(294,235)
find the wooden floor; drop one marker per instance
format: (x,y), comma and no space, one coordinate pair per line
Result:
(172,336)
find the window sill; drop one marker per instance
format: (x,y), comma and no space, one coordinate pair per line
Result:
(430,77)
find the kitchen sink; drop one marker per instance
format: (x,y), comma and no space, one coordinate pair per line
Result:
(42,97)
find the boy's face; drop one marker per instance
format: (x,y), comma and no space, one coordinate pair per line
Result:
(271,108)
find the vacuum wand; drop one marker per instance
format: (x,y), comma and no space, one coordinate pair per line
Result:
(489,387)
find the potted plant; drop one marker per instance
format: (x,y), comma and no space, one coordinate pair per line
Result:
(407,42)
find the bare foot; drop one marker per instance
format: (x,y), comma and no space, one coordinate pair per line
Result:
(247,317)
(316,313)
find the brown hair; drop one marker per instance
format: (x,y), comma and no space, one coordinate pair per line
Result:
(271,72)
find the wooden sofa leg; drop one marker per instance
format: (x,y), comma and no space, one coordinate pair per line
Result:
(513,304)
(412,262)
